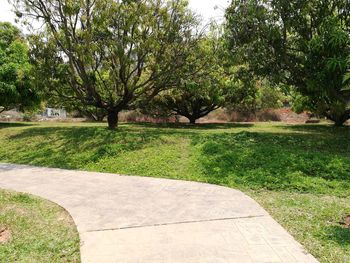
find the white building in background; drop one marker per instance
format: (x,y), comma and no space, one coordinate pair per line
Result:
(55,113)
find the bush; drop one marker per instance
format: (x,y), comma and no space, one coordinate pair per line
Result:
(270,98)
(29,116)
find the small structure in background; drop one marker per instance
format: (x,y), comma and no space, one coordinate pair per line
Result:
(55,113)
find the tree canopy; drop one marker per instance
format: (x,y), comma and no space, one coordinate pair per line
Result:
(114,52)
(304,44)
(201,88)
(105,56)
(16,90)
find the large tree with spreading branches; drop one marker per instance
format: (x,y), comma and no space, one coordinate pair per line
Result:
(201,90)
(115,51)
(303,44)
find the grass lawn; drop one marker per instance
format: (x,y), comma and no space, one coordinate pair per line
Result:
(299,173)
(35,230)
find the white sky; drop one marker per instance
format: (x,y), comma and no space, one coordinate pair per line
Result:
(209,9)
(206,8)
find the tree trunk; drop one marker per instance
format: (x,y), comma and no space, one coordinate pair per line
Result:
(192,120)
(340,120)
(100,118)
(112,119)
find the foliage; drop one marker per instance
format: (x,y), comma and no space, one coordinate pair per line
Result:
(290,169)
(41,231)
(214,83)
(270,97)
(303,44)
(241,90)
(16,90)
(113,52)
(51,76)
(28,116)
(246,94)
(202,89)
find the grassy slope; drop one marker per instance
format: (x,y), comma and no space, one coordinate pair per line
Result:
(41,231)
(301,174)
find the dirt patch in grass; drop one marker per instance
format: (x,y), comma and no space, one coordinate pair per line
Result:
(346,221)
(5,235)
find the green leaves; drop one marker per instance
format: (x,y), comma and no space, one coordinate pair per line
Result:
(346,81)
(16,88)
(116,52)
(334,64)
(200,88)
(302,44)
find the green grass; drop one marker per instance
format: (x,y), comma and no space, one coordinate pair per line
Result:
(40,230)
(299,173)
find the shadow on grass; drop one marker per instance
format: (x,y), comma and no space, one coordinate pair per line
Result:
(277,161)
(198,126)
(75,147)
(338,234)
(64,146)
(14,124)
(303,162)
(316,128)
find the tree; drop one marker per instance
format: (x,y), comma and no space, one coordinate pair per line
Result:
(16,90)
(302,44)
(51,73)
(270,97)
(116,51)
(240,89)
(201,90)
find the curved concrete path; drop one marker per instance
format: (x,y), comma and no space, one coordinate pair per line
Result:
(148,220)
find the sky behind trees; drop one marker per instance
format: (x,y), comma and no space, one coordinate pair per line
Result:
(208,9)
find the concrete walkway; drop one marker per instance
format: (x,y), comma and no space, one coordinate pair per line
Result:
(148,220)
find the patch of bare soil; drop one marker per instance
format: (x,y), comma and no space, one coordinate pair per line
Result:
(5,235)
(346,221)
